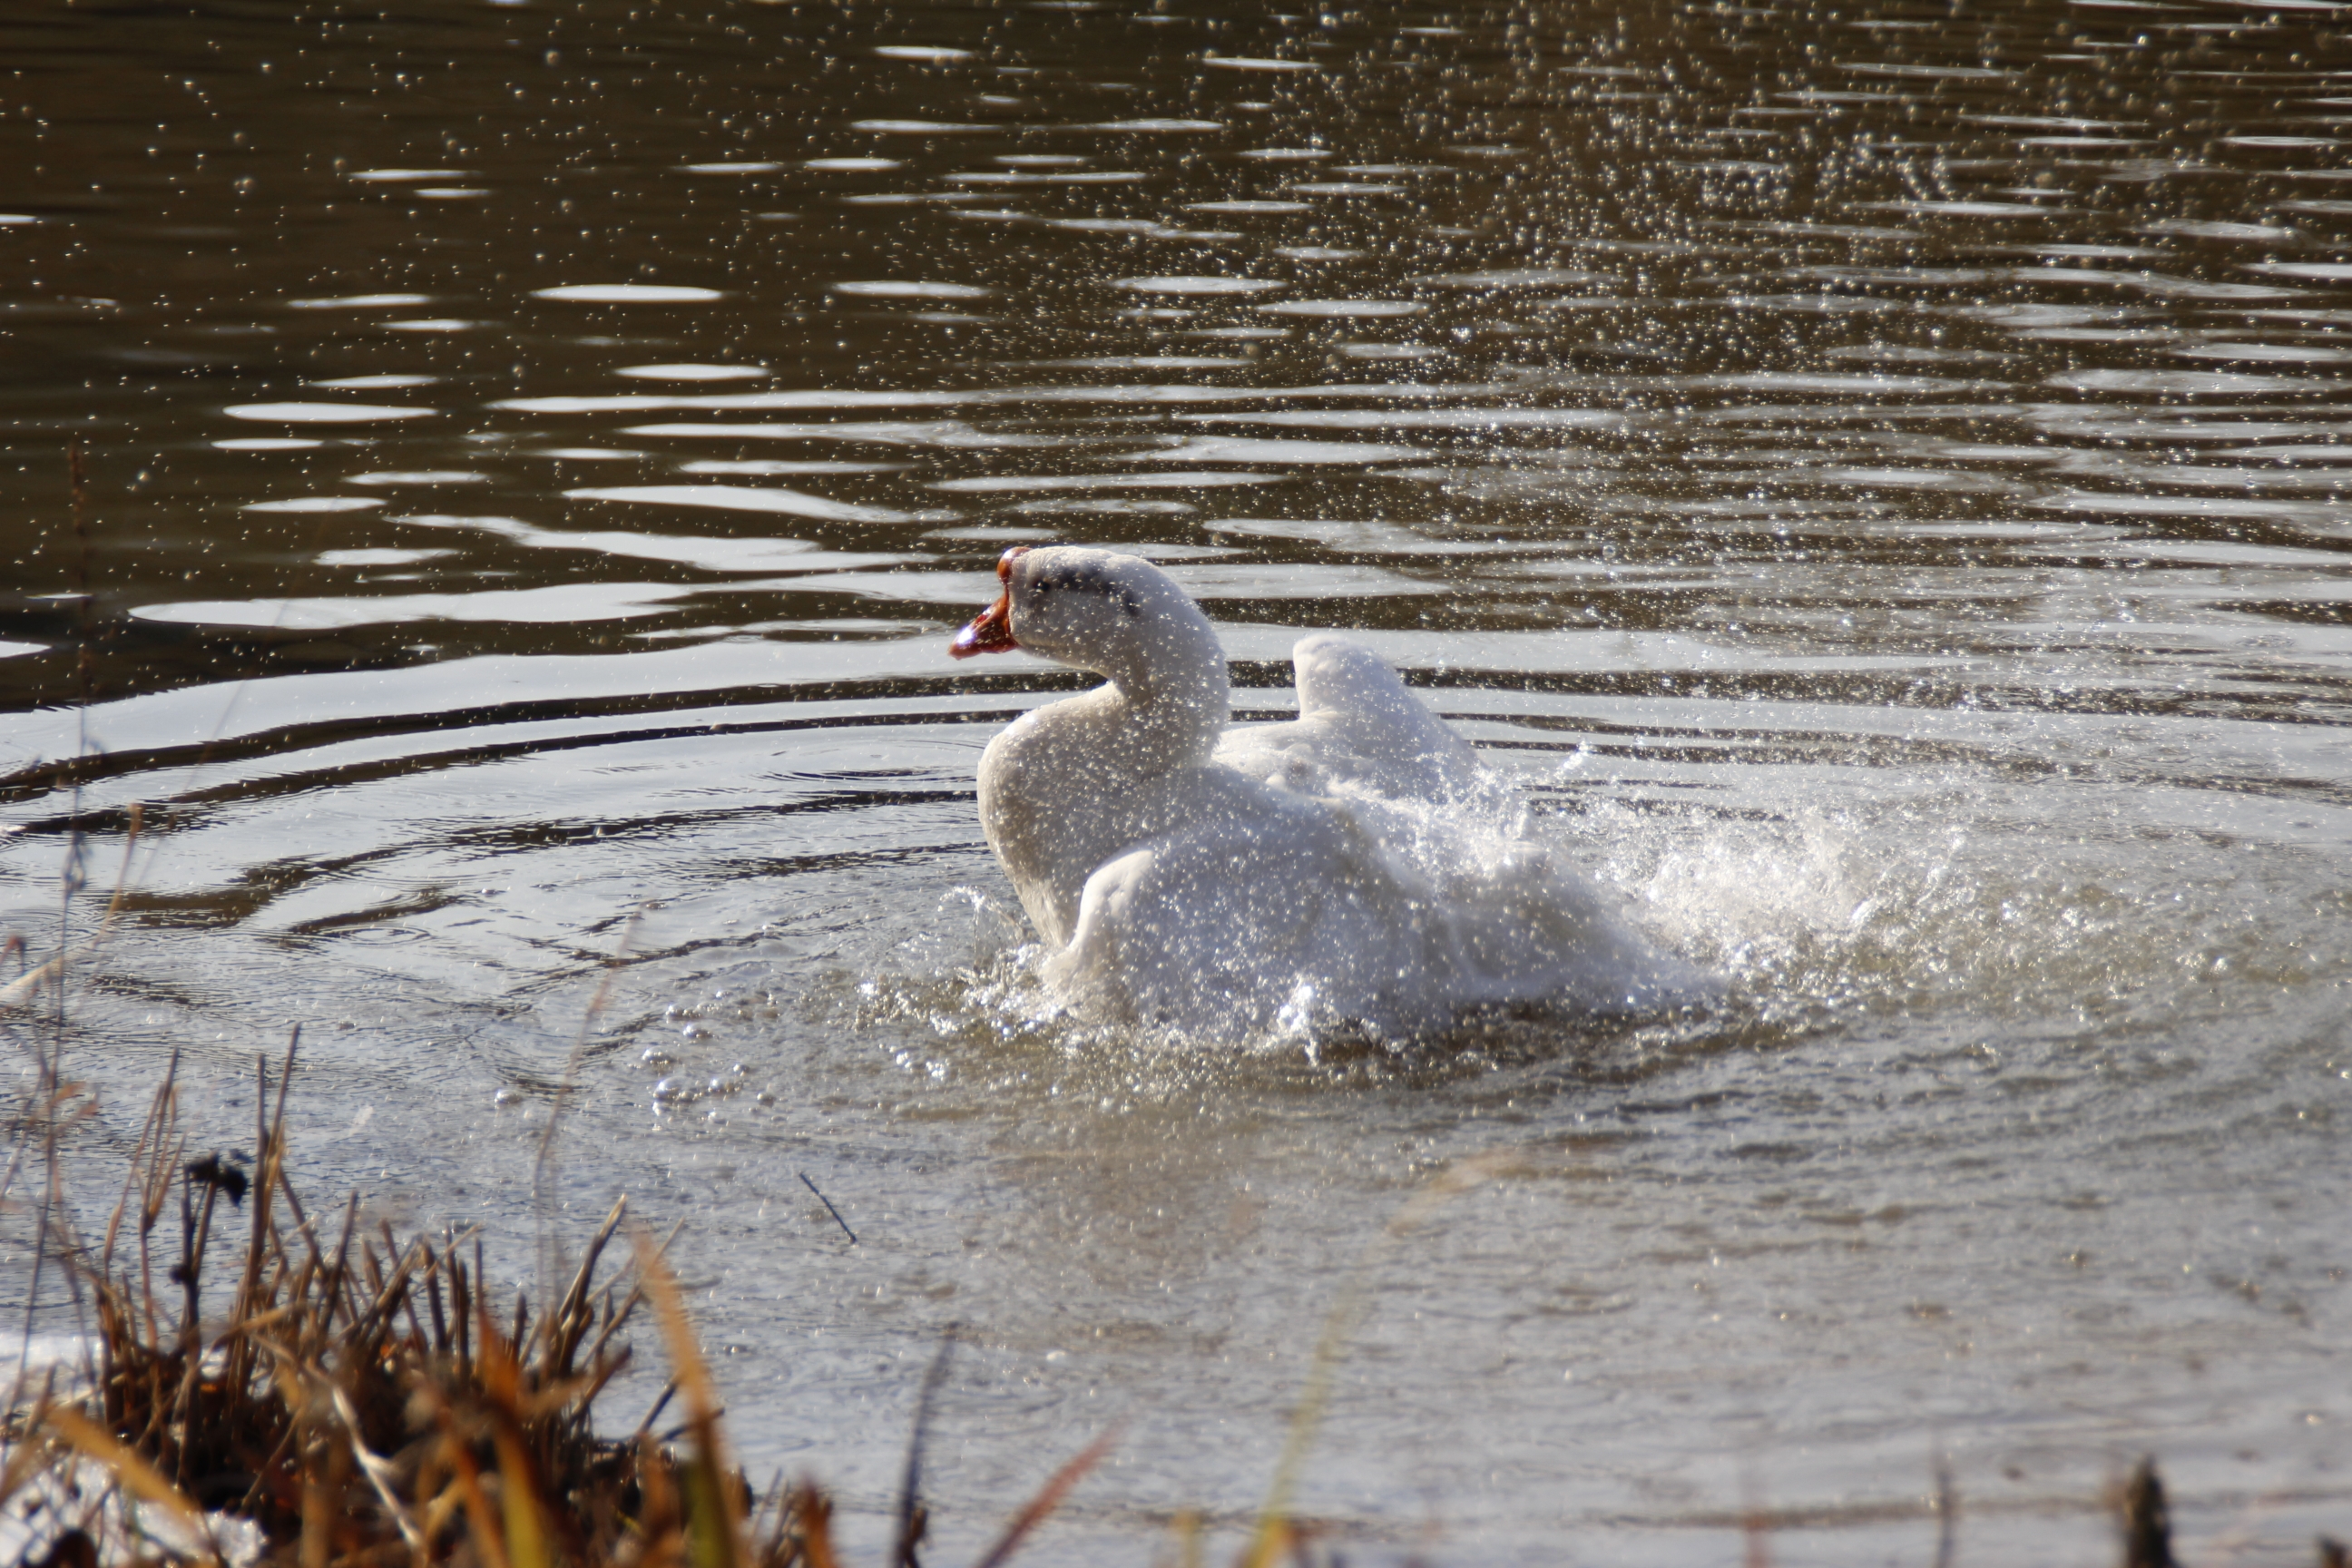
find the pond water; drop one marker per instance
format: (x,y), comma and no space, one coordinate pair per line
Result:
(1880,481)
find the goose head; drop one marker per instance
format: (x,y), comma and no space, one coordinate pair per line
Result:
(1117,615)
(1093,610)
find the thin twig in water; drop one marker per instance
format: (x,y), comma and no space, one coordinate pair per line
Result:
(910,1488)
(668,1393)
(828,1208)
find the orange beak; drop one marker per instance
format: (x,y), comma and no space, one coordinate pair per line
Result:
(991,631)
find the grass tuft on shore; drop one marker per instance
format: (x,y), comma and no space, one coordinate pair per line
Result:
(364,1401)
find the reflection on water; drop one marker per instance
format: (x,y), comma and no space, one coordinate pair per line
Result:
(1880,479)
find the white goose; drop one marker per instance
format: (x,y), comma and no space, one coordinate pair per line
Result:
(1358,864)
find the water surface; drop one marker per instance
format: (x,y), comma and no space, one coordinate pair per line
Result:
(1880,481)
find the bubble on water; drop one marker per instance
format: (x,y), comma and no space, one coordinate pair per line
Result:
(627,294)
(911,289)
(1246,206)
(694,372)
(1269,449)
(359,302)
(1344,309)
(1511,278)
(1256,63)
(323,413)
(914,127)
(1160,124)
(1195,284)
(315,503)
(1110,507)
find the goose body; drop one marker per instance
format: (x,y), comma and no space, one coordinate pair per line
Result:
(1358,864)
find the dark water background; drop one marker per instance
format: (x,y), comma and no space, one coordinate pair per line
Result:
(1878,473)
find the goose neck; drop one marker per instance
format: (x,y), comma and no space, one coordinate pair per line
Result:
(1171,714)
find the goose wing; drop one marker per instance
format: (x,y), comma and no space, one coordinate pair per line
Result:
(1357,725)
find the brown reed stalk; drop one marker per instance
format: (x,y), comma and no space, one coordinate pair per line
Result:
(356,1425)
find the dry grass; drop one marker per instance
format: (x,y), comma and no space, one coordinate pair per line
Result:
(364,1402)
